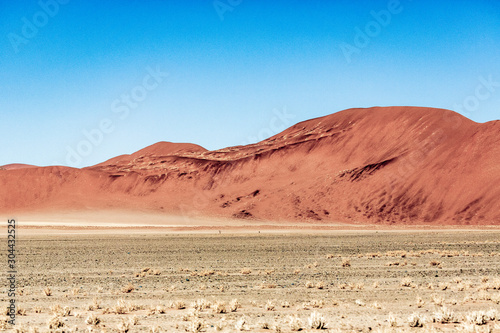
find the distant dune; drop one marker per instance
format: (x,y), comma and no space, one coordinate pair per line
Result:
(389,165)
(16,166)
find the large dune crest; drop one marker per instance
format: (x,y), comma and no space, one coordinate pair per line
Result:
(407,165)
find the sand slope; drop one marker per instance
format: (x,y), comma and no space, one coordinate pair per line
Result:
(375,165)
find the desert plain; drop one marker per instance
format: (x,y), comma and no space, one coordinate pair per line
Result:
(256,278)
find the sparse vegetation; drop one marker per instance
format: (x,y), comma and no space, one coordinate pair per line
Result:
(275,295)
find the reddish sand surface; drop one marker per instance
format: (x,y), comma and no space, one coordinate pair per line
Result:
(381,165)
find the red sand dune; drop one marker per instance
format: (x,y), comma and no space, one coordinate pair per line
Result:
(377,165)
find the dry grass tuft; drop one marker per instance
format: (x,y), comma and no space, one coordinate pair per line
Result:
(92,320)
(234,305)
(346,262)
(241,324)
(414,320)
(435,263)
(444,316)
(295,323)
(393,322)
(55,322)
(128,288)
(407,282)
(320,285)
(219,307)
(317,321)
(420,302)
(123,327)
(270,306)
(47,291)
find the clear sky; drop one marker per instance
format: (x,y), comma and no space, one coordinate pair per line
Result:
(84,81)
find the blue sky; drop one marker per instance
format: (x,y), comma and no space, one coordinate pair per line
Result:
(83,81)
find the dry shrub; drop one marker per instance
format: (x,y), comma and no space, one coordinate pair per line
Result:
(207,273)
(201,304)
(414,320)
(92,320)
(134,320)
(317,304)
(128,288)
(219,307)
(346,262)
(477,318)
(407,282)
(197,325)
(309,284)
(359,302)
(316,321)
(47,291)
(438,300)
(392,263)
(285,304)
(159,309)
(295,323)
(123,327)
(179,305)
(267,286)
(60,311)
(220,325)
(393,322)
(55,322)
(270,306)
(20,311)
(241,324)
(96,305)
(444,286)
(420,302)
(444,316)
(320,285)
(435,263)
(234,305)
(265,325)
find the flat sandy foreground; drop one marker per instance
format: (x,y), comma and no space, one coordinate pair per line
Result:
(177,275)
